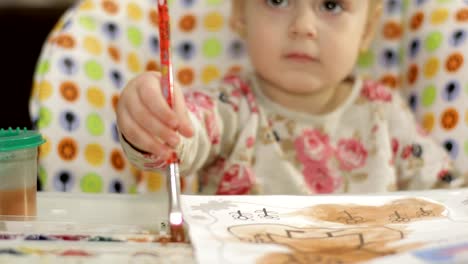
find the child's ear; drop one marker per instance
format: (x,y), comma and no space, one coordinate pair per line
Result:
(371,26)
(237,19)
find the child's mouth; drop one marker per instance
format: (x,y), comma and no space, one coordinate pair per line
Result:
(300,57)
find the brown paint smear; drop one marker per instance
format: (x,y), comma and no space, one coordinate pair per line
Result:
(177,233)
(399,211)
(365,233)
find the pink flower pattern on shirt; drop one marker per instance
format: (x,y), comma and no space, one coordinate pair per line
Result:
(212,129)
(192,106)
(202,106)
(203,100)
(242,89)
(319,178)
(351,154)
(322,157)
(376,92)
(250,142)
(314,151)
(406,152)
(395,148)
(313,146)
(237,180)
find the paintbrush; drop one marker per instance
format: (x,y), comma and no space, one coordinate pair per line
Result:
(176,219)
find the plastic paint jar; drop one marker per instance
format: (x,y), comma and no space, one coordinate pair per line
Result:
(18,171)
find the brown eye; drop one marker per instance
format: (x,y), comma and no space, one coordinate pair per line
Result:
(332,7)
(278,3)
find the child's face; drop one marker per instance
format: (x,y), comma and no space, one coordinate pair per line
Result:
(303,46)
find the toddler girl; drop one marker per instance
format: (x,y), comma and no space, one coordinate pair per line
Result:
(299,123)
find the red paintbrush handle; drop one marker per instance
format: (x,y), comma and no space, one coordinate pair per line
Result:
(166,64)
(165,52)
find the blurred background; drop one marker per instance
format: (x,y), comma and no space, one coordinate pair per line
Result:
(24,26)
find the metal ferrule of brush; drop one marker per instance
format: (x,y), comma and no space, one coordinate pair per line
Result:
(174,187)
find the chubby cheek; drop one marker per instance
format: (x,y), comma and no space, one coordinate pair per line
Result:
(263,49)
(339,59)
(339,51)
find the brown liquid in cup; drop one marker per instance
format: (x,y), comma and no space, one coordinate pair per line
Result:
(19,202)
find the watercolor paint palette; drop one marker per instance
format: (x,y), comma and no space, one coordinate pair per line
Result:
(79,228)
(93,252)
(121,238)
(59,227)
(89,247)
(73,231)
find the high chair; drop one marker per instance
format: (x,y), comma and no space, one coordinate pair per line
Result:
(99,45)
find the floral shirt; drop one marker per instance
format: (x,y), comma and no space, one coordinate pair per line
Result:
(245,143)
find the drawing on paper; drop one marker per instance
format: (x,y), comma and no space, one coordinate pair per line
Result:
(367,232)
(291,229)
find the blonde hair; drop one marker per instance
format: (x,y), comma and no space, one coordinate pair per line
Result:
(236,10)
(374,6)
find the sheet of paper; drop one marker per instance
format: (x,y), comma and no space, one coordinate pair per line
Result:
(323,229)
(454,252)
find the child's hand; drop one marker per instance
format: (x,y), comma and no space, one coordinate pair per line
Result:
(146,120)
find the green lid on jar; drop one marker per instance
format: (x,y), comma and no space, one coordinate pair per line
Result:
(15,139)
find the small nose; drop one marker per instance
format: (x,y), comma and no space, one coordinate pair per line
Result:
(303,25)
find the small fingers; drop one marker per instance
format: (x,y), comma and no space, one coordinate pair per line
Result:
(186,127)
(155,127)
(150,94)
(140,138)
